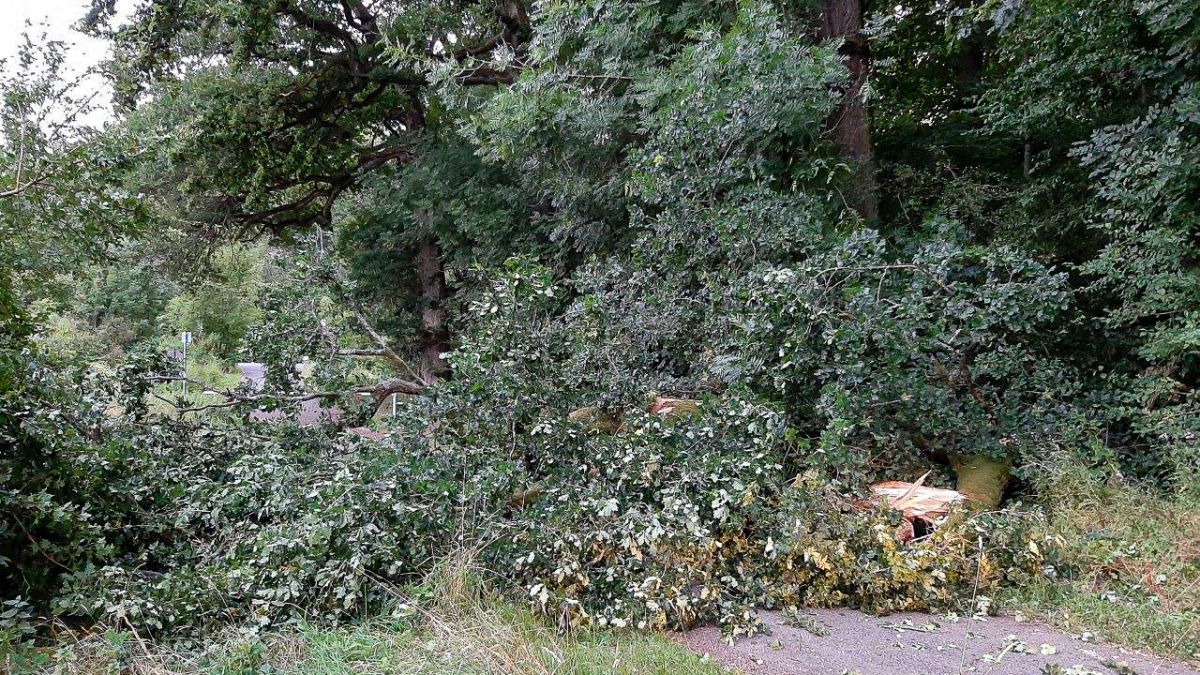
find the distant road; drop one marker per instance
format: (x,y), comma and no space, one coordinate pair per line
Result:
(311,413)
(256,373)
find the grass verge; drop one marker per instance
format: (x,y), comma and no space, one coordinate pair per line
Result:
(445,626)
(1131,569)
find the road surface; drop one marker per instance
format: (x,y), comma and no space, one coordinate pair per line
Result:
(311,412)
(918,644)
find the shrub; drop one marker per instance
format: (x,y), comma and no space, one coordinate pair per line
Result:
(666,521)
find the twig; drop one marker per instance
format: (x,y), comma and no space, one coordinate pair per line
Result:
(962,660)
(900,626)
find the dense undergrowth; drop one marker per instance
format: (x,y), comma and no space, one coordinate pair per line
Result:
(661,526)
(533,235)
(448,623)
(178,527)
(184,526)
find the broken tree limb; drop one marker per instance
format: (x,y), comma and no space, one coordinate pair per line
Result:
(385,349)
(609,422)
(916,503)
(596,419)
(395,385)
(379,391)
(674,408)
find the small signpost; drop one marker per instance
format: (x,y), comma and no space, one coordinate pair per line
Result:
(186,339)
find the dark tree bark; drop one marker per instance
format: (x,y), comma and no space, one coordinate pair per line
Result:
(969,67)
(850,125)
(434,333)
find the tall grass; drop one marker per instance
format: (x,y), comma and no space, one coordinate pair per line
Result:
(1129,568)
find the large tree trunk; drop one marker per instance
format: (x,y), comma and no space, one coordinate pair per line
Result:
(435,335)
(849,125)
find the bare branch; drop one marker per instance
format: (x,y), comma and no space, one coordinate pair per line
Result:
(486,75)
(380,340)
(233,398)
(393,386)
(18,189)
(21,155)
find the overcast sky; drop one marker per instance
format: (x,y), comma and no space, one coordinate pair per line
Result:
(58,17)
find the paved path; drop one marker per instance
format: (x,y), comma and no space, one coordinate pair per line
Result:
(311,412)
(256,373)
(919,644)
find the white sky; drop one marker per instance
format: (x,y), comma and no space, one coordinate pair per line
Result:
(58,16)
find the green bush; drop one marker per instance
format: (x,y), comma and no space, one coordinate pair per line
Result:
(222,308)
(186,525)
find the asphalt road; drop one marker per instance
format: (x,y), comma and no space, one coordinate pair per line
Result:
(919,644)
(311,412)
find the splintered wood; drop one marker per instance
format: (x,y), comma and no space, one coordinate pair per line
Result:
(916,503)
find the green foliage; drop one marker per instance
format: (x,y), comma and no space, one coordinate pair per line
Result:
(51,479)
(625,200)
(199,524)
(937,351)
(105,309)
(222,305)
(668,522)
(55,212)
(57,208)
(473,210)
(1147,174)
(745,274)
(1077,120)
